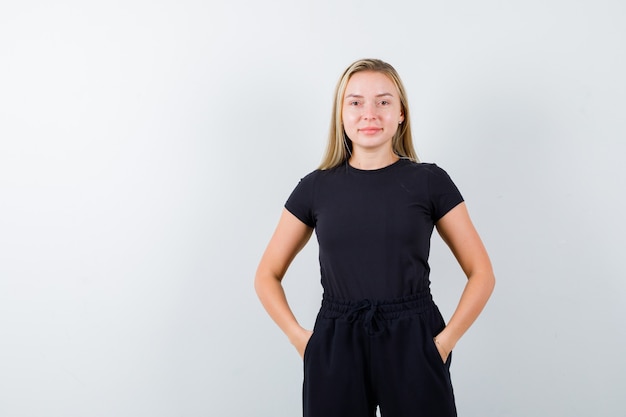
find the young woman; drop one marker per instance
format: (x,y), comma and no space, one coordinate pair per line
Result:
(379,340)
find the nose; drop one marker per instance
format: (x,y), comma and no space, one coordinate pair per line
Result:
(369,111)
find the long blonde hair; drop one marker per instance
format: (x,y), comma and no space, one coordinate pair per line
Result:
(339,145)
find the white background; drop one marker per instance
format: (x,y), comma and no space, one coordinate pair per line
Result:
(147,148)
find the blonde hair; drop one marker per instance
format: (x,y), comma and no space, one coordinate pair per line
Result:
(339,145)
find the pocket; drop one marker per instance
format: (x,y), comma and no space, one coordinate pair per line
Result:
(318,330)
(433,351)
(438,355)
(436,324)
(307,348)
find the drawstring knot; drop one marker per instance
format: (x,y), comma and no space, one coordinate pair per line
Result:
(371,322)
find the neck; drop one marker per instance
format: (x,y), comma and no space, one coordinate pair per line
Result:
(369,161)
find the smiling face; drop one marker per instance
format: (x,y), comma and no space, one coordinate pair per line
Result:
(371,111)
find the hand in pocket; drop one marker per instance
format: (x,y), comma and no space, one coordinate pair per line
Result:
(442,351)
(301,340)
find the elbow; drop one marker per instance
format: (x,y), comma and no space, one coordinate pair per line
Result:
(259,283)
(490,282)
(263,280)
(485,279)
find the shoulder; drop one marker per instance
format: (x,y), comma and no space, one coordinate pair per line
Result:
(322,174)
(425,169)
(432,176)
(310,182)
(311,178)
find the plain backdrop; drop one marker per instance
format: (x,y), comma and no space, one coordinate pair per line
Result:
(147,149)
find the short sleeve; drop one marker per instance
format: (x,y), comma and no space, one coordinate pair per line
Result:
(300,202)
(444,194)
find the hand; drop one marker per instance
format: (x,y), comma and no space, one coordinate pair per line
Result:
(443,352)
(300,340)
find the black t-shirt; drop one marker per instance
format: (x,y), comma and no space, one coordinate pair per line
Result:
(374,226)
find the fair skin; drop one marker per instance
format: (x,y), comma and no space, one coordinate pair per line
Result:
(371,114)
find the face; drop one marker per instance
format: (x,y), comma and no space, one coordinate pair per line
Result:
(371,111)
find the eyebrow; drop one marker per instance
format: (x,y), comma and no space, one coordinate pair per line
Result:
(378,95)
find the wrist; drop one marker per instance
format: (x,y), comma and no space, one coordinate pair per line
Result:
(444,342)
(295,334)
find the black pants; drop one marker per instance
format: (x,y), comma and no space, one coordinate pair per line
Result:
(367,354)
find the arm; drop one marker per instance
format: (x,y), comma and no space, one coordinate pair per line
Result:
(290,237)
(457,230)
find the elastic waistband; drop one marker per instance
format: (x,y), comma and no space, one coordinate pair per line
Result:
(384,309)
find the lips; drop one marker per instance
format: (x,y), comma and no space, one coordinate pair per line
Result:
(370,130)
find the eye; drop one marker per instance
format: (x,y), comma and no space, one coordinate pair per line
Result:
(353,103)
(384,103)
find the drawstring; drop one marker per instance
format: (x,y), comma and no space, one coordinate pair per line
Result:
(371,324)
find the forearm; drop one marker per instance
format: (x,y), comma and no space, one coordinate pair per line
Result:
(477,291)
(272,295)
(289,238)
